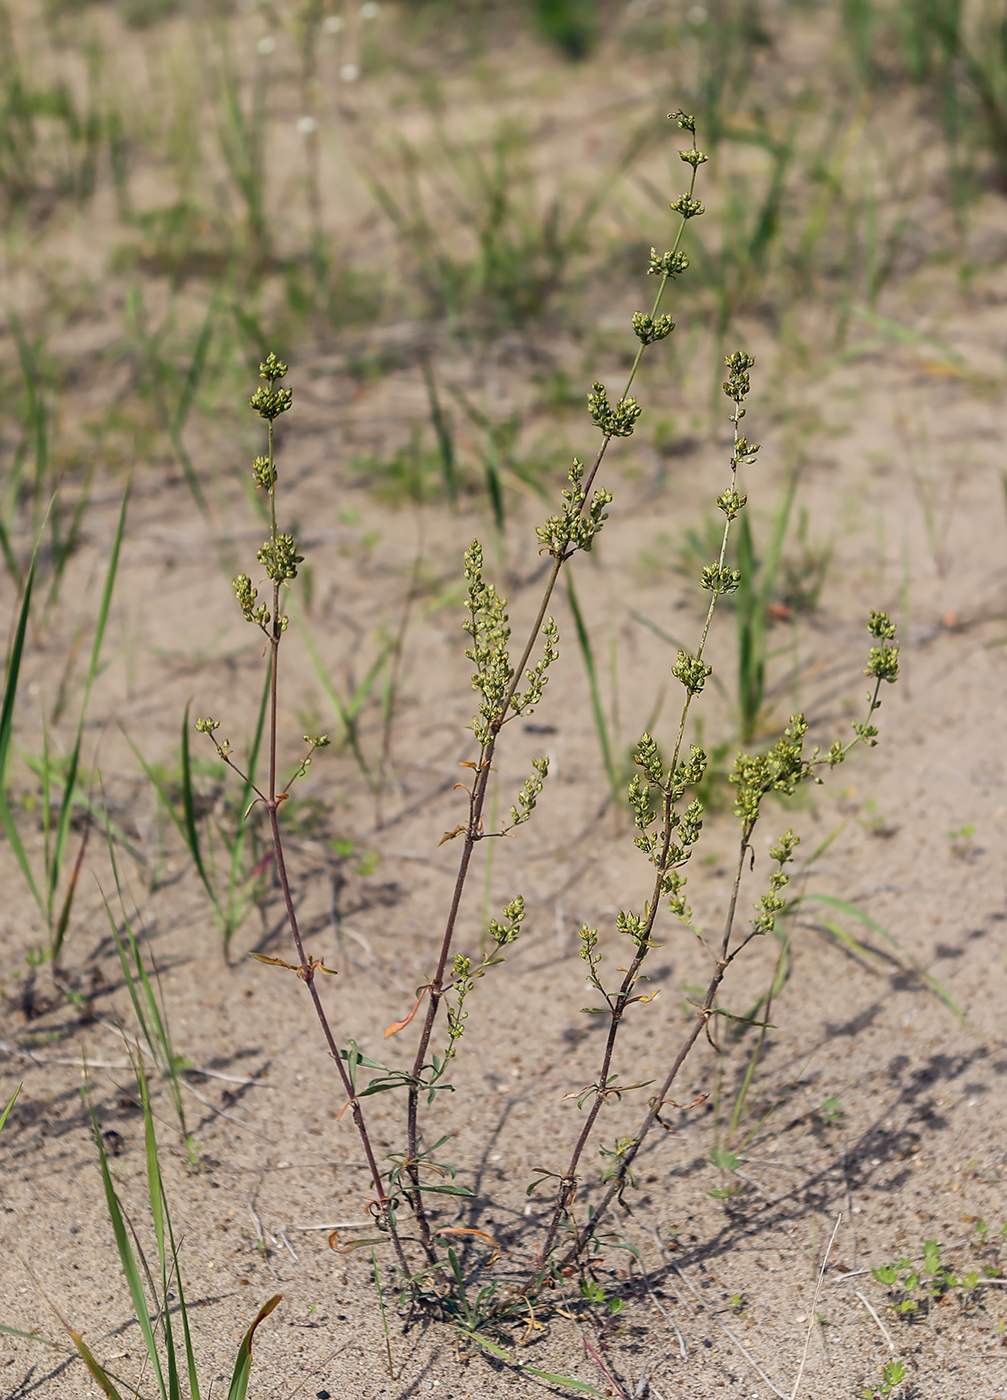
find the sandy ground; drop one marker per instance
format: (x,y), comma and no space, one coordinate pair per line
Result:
(915,1148)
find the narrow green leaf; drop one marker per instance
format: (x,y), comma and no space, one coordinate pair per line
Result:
(180,823)
(490,456)
(63,922)
(844,907)
(127,1261)
(17,846)
(13,671)
(153,1023)
(447,1190)
(11,675)
(442,429)
(581,1387)
(243,1362)
(553,1377)
(196,366)
(97,1371)
(189,805)
(67,547)
(235,908)
(587,653)
(10,1105)
(6,549)
(354,1058)
(346,713)
(30,1337)
(70,784)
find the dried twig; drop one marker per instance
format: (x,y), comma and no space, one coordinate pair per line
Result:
(727,1331)
(814,1306)
(662,1310)
(881,1325)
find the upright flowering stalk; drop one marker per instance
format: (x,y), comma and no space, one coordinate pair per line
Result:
(279,559)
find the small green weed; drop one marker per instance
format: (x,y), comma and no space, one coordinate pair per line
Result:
(913,1288)
(831,1110)
(892,1375)
(596,1296)
(963,845)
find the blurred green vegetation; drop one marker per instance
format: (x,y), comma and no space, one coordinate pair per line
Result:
(207,180)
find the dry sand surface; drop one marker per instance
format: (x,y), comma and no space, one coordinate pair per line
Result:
(874,1112)
(916,1151)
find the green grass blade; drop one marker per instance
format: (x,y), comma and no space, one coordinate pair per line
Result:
(751,629)
(11,676)
(243,1361)
(68,546)
(190,1357)
(189,810)
(97,1370)
(492,466)
(780,975)
(10,1105)
(9,1331)
(13,671)
(347,714)
(17,846)
(196,367)
(45,773)
(127,1261)
(490,457)
(758,582)
(442,430)
(55,861)
(823,847)
(851,910)
(159,1216)
(853,944)
(13,567)
(581,1387)
(587,653)
(154,1024)
(63,922)
(181,824)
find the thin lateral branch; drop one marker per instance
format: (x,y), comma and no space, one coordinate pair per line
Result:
(473,834)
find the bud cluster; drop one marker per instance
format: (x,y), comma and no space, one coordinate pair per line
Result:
(650,329)
(562,535)
(720,580)
(616,420)
(692,671)
(666,264)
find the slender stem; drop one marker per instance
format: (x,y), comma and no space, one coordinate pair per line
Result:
(568,1182)
(473,831)
(701,1023)
(307,968)
(473,834)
